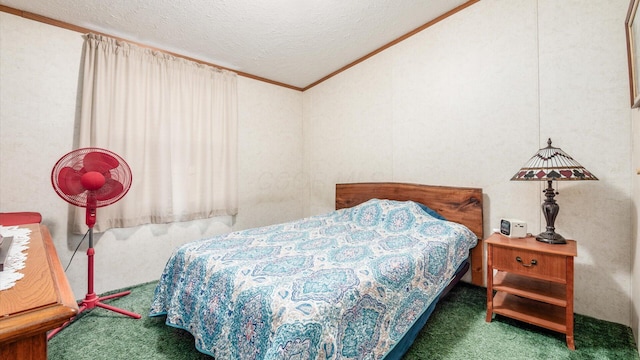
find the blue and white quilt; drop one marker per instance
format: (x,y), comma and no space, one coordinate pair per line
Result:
(344,285)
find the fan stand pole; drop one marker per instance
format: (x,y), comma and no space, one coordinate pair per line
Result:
(91,300)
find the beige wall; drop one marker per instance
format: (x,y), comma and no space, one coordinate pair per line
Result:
(39,71)
(465,102)
(468,101)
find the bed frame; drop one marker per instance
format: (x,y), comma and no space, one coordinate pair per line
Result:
(458,204)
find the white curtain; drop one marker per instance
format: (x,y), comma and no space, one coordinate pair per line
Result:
(173,121)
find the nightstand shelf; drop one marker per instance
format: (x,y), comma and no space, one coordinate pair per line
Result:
(530,311)
(531,281)
(544,291)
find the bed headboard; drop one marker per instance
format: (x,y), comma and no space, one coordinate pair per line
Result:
(458,204)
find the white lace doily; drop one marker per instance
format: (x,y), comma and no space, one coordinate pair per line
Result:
(17,256)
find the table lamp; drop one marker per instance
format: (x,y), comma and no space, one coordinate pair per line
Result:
(549,164)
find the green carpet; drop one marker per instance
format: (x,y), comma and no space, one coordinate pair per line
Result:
(456,330)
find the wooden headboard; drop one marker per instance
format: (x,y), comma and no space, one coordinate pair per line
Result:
(458,204)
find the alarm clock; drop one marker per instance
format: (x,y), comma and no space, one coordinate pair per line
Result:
(513,228)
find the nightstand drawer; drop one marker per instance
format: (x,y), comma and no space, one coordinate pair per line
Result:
(531,263)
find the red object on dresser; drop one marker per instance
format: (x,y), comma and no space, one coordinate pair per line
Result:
(20,218)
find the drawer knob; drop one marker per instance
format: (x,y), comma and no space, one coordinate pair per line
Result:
(533,262)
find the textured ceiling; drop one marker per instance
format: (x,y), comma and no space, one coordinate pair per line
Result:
(294,42)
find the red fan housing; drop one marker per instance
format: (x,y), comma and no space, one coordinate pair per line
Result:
(91,178)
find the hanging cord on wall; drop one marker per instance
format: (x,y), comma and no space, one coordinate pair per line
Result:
(76,250)
(541,185)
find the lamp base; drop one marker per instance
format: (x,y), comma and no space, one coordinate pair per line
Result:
(551,237)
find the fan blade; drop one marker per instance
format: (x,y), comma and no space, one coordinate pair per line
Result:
(100,162)
(109,190)
(69,181)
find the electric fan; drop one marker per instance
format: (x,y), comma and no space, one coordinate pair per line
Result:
(92,178)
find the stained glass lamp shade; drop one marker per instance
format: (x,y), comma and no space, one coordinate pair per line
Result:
(552,164)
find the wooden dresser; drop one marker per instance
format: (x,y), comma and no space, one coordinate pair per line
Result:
(42,300)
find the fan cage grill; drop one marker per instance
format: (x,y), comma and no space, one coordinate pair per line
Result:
(75,161)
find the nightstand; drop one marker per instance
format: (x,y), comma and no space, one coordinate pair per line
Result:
(532,281)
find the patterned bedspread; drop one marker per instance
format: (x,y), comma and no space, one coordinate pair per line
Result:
(344,285)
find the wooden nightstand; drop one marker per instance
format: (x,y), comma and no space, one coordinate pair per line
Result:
(533,282)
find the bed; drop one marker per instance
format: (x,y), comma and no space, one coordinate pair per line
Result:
(356,283)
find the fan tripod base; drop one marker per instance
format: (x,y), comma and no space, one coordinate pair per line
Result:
(91,301)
